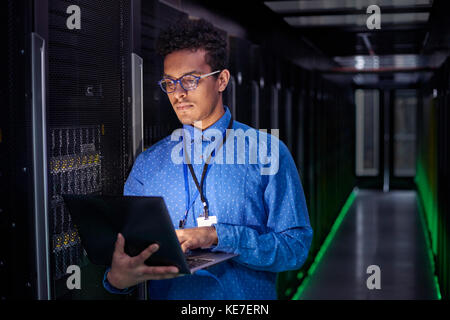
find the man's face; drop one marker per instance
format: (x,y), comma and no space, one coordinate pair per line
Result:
(194,105)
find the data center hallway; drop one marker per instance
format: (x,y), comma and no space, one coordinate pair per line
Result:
(383,229)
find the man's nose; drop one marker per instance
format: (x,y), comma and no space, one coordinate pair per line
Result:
(179,91)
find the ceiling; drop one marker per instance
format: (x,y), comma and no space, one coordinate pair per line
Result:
(414,34)
(332,35)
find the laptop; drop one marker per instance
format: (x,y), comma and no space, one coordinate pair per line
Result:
(142,221)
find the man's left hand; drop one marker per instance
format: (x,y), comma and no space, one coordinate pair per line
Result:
(194,238)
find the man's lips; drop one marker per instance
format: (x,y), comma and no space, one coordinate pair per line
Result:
(182,107)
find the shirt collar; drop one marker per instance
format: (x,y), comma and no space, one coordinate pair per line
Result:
(221,125)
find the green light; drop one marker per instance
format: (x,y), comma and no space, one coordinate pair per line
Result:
(438,289)
(326,244)
(429,248)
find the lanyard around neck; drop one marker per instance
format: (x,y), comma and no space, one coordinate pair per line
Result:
(202,180)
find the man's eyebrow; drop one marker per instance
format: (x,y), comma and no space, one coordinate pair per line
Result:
(165,75)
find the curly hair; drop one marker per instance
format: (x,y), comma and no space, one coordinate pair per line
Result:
(194,35)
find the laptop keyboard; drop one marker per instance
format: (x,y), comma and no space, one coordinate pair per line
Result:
(193,262)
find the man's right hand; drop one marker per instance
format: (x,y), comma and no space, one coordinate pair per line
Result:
(128,271)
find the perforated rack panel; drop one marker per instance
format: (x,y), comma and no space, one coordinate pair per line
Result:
(88,123)
(159,118)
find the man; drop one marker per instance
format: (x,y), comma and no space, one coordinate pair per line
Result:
(261,217)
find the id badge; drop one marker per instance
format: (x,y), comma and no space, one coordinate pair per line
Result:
(202,222)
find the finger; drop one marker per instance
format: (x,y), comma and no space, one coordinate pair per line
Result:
(145,254)
(181,234)
(165,270)
(187,245)
(160,277)
(158,273)
(120,244)
(184,247)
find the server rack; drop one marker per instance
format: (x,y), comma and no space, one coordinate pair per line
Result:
(445,202)
(293,136)
(266,88)
(78,103)
(327,120)
(159,117)
(443,259)
(432,178)
(229,95)
(240,68)
(16,196)
(299,116)
(283,91)
(258,87)
(276,102)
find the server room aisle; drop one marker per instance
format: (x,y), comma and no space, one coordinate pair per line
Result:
(383,229)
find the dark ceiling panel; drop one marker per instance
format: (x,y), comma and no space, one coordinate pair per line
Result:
(412,9)
(342,43)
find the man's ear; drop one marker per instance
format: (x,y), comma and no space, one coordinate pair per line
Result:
(223,79)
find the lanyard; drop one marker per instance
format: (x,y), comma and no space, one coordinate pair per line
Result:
(202,180)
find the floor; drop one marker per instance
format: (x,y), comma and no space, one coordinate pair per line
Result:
(382,229)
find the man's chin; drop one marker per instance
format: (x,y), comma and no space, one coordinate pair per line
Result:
(189,120)
(185,120)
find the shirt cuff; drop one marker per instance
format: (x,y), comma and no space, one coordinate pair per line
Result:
(111,289)
(225,240)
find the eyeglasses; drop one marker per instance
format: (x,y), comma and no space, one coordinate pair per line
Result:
(188,82)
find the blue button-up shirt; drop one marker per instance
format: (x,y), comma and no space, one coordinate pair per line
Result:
(261,217)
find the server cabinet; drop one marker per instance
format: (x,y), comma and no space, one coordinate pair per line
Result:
(286,108)
(257,87)
(73,98)
(276,90)
(159,117)
(291,129)
(432,179)
(270,87)
(240,68)
(266,87)
(442,242)
(291,116)
(299,114)
(16,193)
(326,124)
